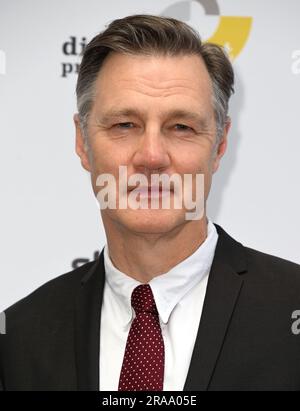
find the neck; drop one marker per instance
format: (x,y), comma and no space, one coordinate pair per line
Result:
(145,256)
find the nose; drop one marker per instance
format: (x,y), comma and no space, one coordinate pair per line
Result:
(151,153)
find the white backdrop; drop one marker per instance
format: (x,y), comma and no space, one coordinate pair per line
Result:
(49,216)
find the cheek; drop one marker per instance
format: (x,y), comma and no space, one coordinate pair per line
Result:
(106,157)
(197,162)
(194,161)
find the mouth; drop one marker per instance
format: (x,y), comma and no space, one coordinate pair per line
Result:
(151,191)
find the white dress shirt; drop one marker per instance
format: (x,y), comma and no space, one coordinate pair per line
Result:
(179,296)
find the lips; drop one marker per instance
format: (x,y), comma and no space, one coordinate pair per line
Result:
(151,190)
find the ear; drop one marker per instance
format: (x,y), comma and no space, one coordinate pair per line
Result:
(81,144)
(222,145)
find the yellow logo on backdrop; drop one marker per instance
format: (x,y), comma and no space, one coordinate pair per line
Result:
(232,32)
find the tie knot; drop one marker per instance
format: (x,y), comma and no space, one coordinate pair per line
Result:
(142,299)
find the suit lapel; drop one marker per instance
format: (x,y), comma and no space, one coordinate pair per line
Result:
(87,326)
(223,288)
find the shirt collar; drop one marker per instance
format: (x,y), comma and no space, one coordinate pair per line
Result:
(168,288)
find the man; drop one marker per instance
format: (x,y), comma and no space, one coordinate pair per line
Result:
(172,303)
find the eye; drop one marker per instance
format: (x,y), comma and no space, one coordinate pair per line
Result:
(126,125)
(183,127)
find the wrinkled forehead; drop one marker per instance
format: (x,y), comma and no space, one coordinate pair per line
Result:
(162,80)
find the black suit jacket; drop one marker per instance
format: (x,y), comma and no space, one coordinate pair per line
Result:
(244,341)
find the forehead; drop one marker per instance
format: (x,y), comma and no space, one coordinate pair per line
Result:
(156,79)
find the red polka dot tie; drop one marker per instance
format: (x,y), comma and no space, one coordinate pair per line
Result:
(144,358)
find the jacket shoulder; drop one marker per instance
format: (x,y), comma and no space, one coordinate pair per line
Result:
(261,268)
(273,277)
(38,324)
(271,263)
(56,295)
(241,257)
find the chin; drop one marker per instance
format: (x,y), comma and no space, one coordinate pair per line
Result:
(150,221)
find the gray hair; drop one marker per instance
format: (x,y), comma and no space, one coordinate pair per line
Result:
(146,34)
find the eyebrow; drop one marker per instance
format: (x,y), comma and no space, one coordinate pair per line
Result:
(177,113)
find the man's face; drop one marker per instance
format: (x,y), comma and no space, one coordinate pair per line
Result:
(153,114)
